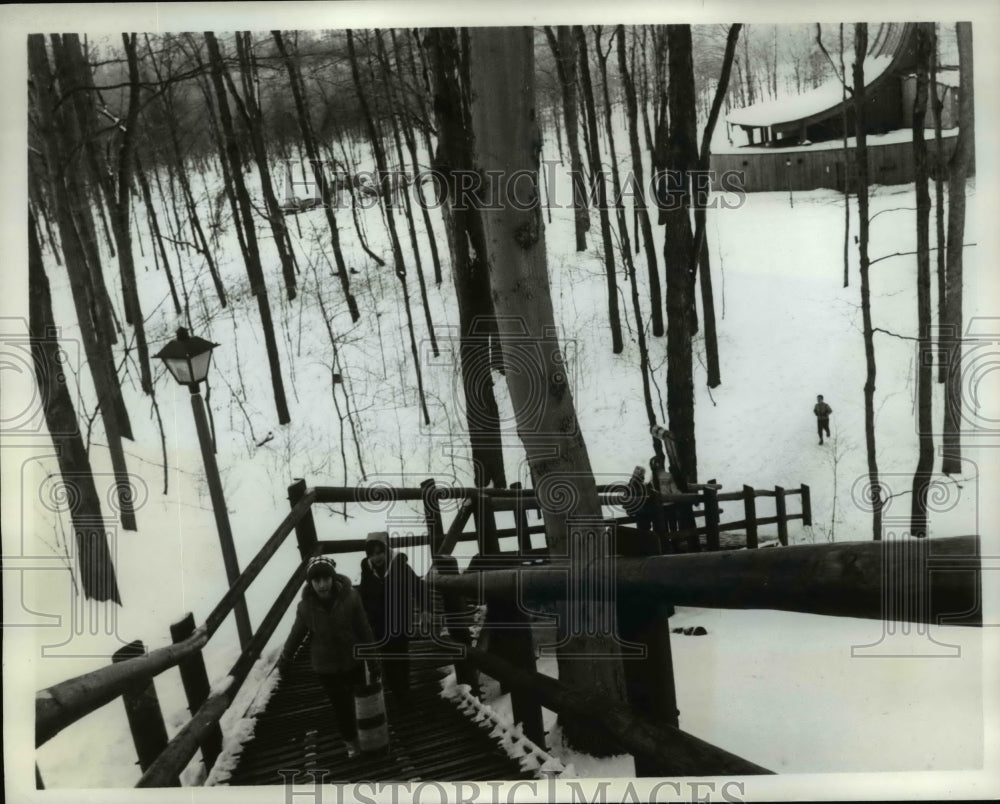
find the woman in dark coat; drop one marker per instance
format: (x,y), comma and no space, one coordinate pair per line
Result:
(390,590)
(331,611)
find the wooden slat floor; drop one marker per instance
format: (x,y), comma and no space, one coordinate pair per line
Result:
(432,741)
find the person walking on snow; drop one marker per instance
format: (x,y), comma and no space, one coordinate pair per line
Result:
(331,610)
(822,412)
(390,590)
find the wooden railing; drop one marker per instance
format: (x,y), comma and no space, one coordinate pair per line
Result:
(837,579)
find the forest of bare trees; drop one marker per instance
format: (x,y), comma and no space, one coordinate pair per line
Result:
(197,136)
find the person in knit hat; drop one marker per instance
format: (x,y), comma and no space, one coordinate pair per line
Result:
(331,610)
(390,590)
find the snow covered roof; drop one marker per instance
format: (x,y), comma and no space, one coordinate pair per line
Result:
(816,102)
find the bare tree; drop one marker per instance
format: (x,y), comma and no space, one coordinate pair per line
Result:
(397,251)
(958,172)
(639,186)
(467,242)
(702,263)
(861,164)
(96,569)
(925,460)
(255,271)
(253,120)
(58,134)
(506,134)
(597,177)
(681,157)
(563,45)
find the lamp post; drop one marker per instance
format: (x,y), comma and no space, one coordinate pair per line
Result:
(788,164)
(187,358)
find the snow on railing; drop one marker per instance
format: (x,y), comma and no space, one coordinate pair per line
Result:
(509,735)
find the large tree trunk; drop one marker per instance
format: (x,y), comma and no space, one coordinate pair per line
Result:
(925,460)
(958,173)
(466,240)
(874,491)
(597,177)
(255,272)
(649,244)
(506,135)
(681,158)
(93,558)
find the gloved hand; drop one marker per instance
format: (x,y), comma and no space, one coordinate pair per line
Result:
(374,670)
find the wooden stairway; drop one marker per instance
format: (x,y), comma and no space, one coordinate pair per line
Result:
(433,740)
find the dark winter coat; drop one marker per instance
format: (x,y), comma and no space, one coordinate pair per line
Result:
(822,410)
(337,626)
(389,599)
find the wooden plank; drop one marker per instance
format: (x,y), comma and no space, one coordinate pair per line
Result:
(806,506)
(455,531)
(432,516)
(305,528)
(711,518)
(779,504)
(750,509)
(521,527)
(142,709)
(194,678)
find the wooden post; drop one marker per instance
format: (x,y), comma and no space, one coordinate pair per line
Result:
(649,679)
(779,507)
(142,708)
(486,525)
(305,528)
(807,511)
(432,516)
(712,518)
(194,677)
(521,524)
(458,616)
(750,515)
(511,639)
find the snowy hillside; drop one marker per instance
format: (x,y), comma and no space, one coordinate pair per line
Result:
(781,689)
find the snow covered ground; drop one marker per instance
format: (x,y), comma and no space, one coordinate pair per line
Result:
(780,689)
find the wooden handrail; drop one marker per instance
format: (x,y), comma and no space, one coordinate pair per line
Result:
(182,747)
(843,579)
(58,706)
(64,703)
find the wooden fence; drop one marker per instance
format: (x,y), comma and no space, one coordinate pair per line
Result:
(838,579)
